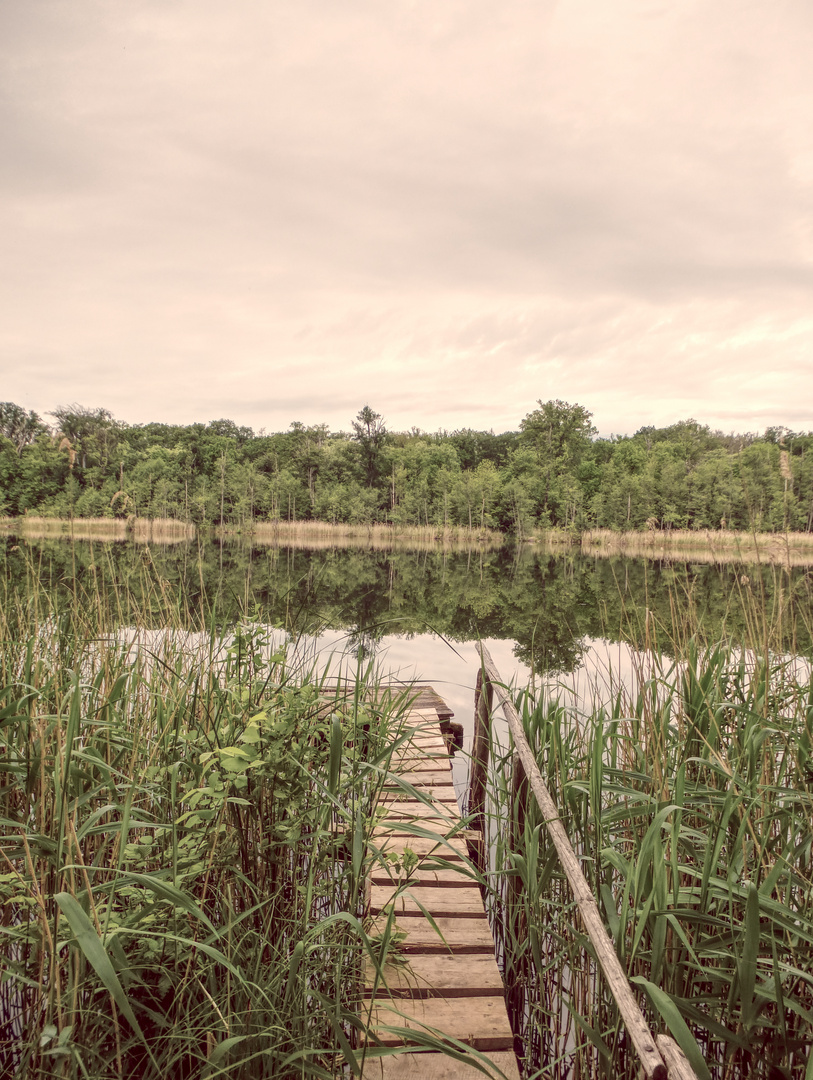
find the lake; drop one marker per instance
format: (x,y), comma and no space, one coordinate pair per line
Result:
(565,621)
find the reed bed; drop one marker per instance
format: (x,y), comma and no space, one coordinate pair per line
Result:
(720,546)
(322,534)
(690,801)
(142,530)
(185,842)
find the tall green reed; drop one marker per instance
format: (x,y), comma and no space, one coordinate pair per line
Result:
(690,802)
(184,848)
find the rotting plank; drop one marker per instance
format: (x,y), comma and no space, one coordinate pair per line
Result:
(443,976)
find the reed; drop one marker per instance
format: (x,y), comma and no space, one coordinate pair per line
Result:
(689,798)
(721,546)
(142,530)
(185,842)
(321,534)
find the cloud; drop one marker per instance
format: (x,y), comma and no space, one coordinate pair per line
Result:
(447,209)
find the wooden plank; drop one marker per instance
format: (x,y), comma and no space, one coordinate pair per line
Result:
(411,1065)
(425,875)
(483,1022)
(456,935)
(424,777)
(443,830)
(421,846)
(392,795)
(417,758)
(439,901)
(438,975)
(414,810)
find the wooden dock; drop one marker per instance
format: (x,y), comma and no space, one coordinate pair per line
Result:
(445,979)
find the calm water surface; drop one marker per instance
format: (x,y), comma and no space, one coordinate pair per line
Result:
(565,621)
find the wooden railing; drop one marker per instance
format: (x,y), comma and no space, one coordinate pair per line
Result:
(660,1056)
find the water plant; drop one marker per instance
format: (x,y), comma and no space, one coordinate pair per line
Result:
(689,798)
(184,850)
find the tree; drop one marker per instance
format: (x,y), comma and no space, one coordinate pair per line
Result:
(560,434)
(558,430)
(93,434)
(18,426)
(370,433)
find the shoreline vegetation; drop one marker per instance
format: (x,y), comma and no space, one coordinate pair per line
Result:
(686,545)
(688,794)
(552,473)
(679,545)
(188,833)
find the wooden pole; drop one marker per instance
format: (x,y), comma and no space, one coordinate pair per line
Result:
(616,977)
(478,775)
(516,831)
(676,1061)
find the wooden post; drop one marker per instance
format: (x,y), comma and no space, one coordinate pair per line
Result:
(519,802)
(483,699)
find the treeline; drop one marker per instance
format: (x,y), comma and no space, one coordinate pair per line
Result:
(552,472)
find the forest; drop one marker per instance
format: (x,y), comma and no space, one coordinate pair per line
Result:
(553,472)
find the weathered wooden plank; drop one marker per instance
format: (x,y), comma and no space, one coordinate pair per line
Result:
(421,846)
(415,810)
(425,874)
(424,827)
(437,900)
(424,777)
(456,935)
(412,1065)
(438,975)
(389,796)
(419,761)
(483,1022)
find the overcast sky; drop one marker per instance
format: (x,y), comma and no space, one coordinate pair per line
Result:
(274,211)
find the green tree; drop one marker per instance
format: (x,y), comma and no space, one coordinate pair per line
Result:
(18,426)
(370,432)
(560,434)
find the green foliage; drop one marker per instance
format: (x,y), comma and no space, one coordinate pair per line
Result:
(554,472)
(184,852)
(689,801)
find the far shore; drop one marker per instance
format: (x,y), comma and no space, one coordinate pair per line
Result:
(678,545)
(687,545)
(302,534)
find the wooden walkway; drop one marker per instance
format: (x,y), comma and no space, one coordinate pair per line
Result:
(448,985)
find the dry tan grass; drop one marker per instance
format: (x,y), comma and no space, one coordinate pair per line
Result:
(142,530)
(721,546)
(298,534)
(321,534)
